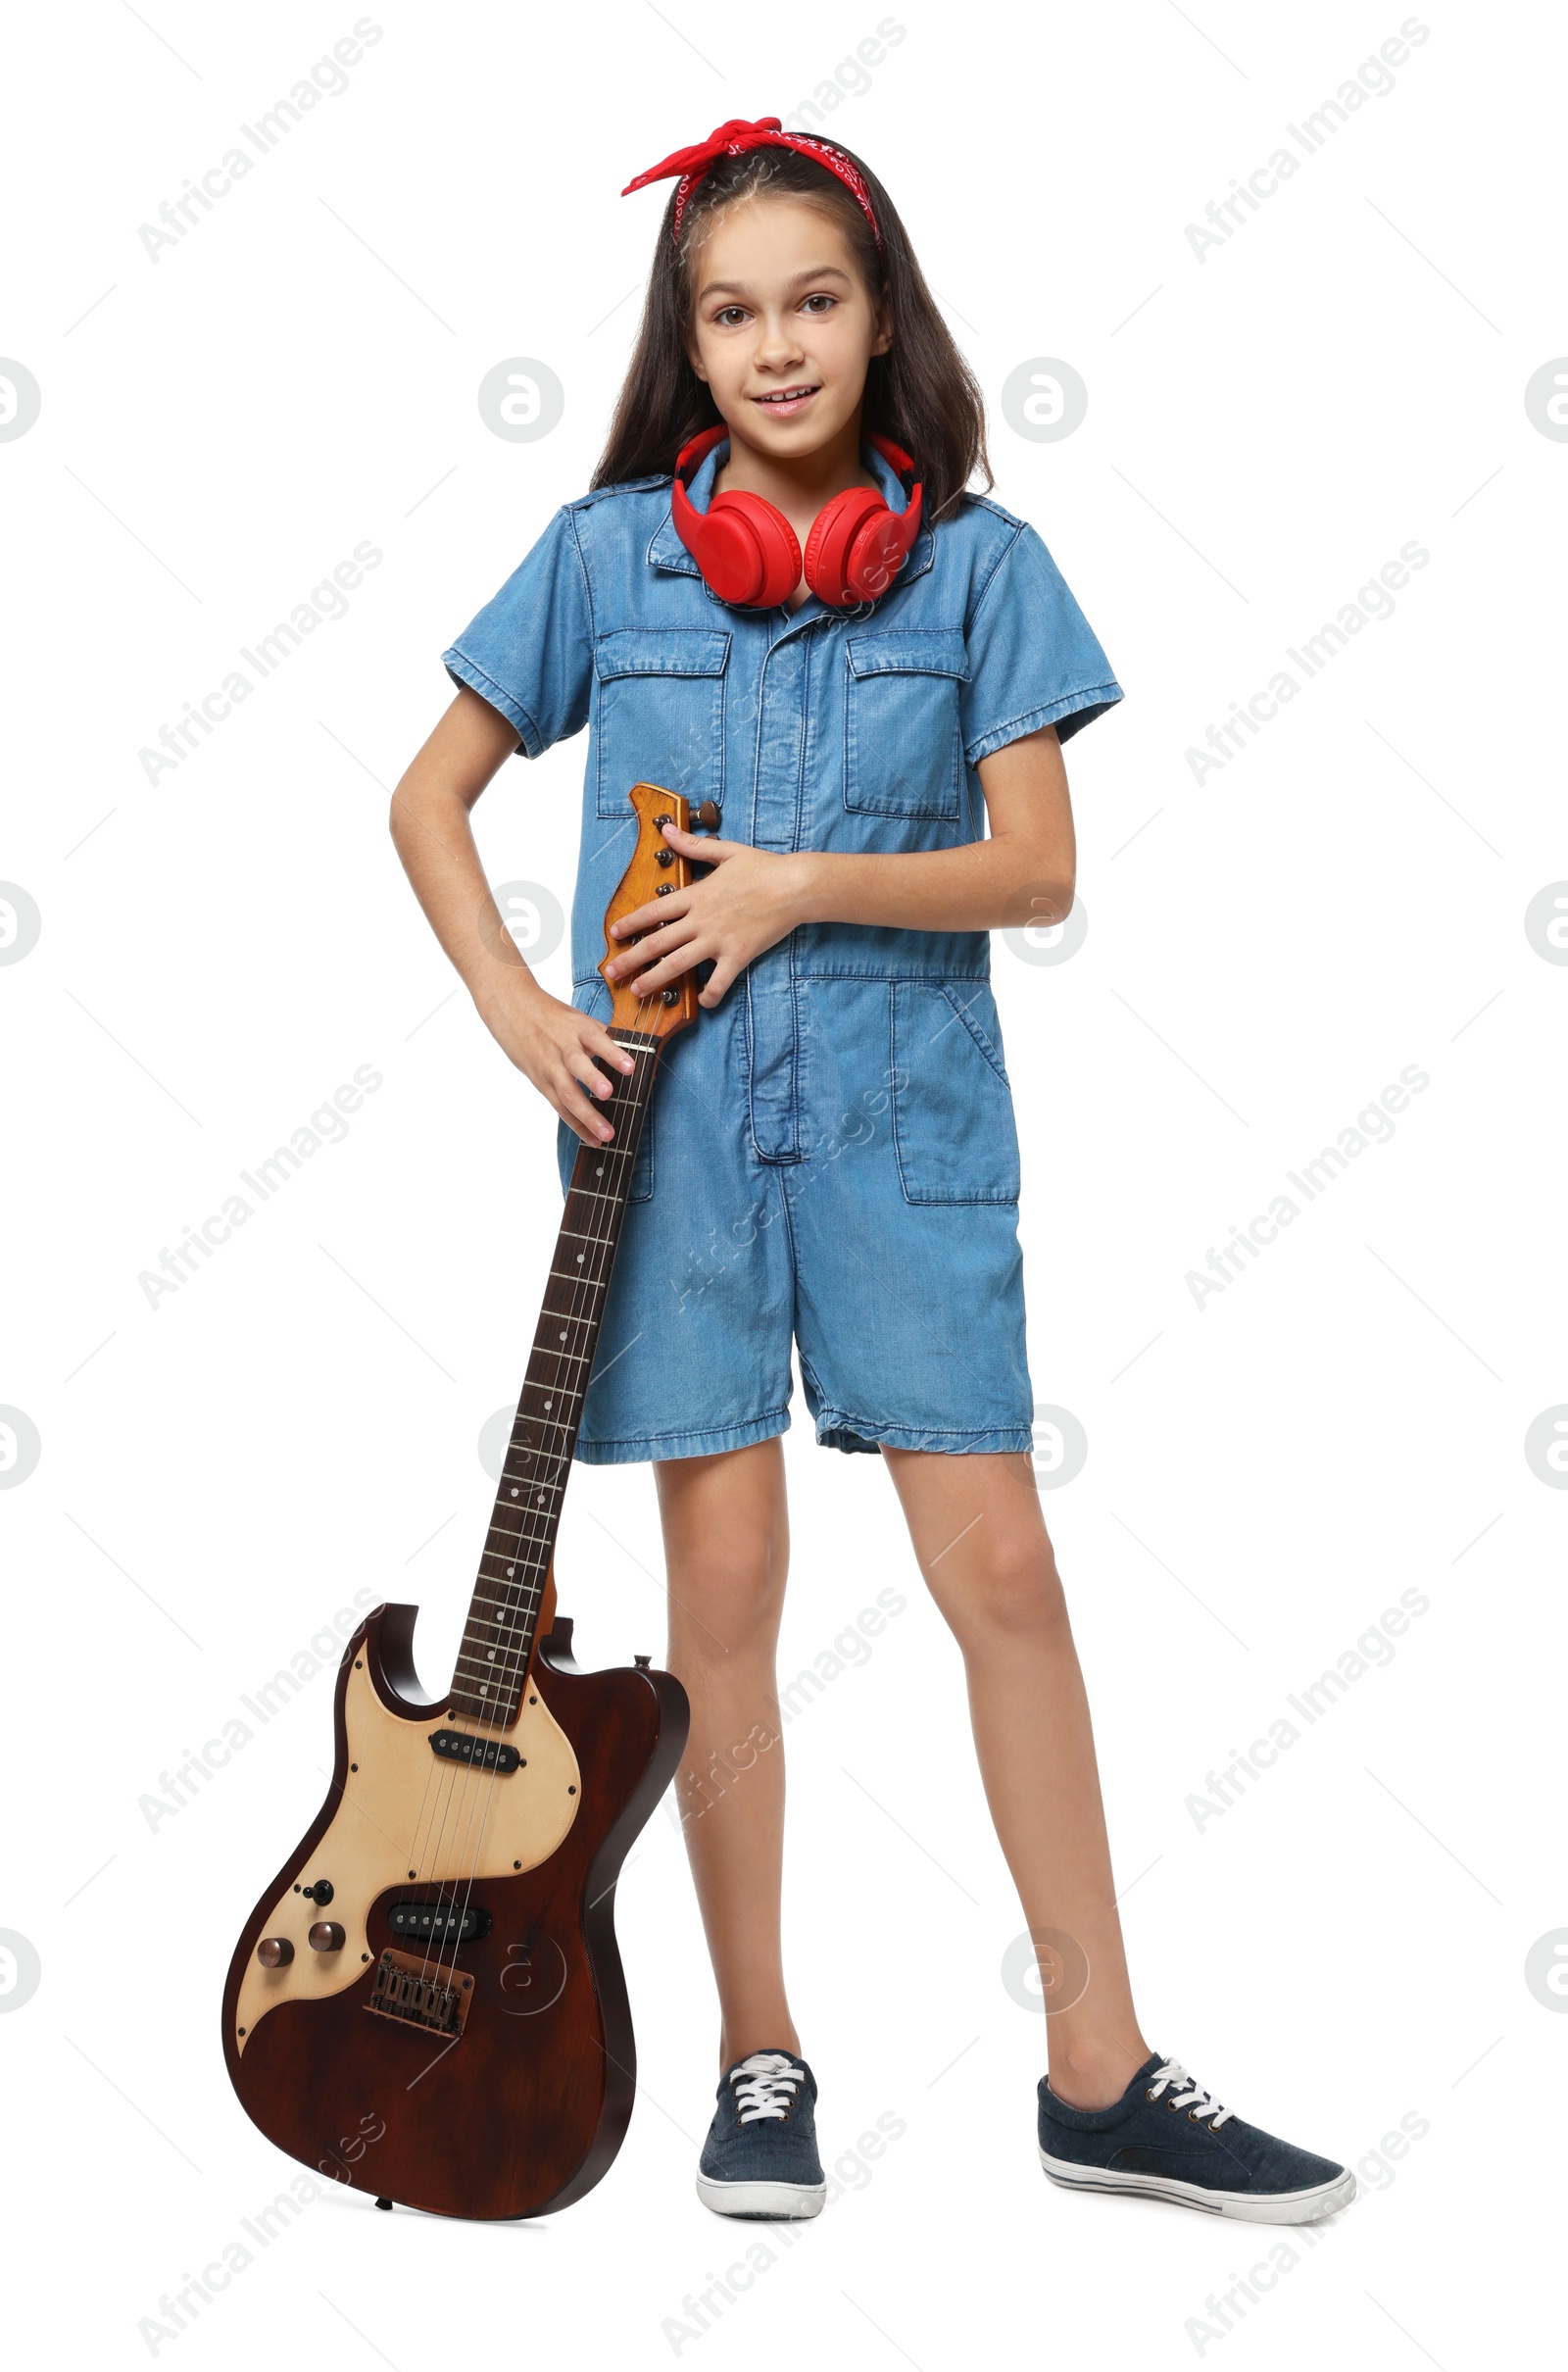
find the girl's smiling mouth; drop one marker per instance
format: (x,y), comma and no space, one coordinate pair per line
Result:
(789,400)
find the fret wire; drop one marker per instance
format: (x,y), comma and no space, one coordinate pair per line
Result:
(509,1613)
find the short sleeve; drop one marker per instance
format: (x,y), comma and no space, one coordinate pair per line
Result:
(1033,658)
(529,652)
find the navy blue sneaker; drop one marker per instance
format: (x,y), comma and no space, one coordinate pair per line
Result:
(1168,2138)
(760,2158)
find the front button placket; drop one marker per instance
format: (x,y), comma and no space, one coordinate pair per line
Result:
(770,987)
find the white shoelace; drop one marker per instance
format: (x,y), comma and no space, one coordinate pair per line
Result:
(769,2086)
(1194,2098)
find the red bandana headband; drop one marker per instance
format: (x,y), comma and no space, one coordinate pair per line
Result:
(732,139)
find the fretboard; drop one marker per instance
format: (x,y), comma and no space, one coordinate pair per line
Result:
(498,1641)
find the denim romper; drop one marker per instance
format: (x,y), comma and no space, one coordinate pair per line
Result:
(830,1159)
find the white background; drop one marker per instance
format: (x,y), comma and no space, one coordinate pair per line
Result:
(1346,1945)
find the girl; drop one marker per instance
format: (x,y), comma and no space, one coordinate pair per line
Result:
(779,600)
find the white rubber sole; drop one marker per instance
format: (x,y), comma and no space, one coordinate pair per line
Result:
(1268,2207)
(771,2199)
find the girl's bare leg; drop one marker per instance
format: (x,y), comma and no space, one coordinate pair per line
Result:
(726,1550)
(981,1541)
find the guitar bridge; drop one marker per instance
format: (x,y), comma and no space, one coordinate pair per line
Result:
(404,1989)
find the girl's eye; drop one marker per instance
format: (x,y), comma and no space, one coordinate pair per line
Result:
(728,315)
(822,301)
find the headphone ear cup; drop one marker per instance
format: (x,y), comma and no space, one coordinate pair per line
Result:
(829,546)
(878,551)
(748,552)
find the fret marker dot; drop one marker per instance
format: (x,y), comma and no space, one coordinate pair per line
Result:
(513,1494)
(511,1569)
(561,1336)
(579,1260)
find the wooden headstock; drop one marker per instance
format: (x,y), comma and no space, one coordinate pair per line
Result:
(654,867)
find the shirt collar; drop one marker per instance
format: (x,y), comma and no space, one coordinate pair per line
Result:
(667,551)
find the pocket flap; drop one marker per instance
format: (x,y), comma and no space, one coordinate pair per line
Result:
(659,651)
(932,651)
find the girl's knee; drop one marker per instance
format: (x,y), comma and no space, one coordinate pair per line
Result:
(1009,1590)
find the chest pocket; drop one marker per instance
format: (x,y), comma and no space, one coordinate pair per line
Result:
(660,714)
(901,749)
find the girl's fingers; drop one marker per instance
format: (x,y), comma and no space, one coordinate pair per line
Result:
(645,918)
(679,959)
(600,1044)
(579,1114)
(718,980)
(678,932)
(705,850)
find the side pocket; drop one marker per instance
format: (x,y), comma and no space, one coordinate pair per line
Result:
(954,1129)
(593,997)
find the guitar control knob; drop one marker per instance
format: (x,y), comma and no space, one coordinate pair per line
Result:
(320,1892)
(326,1936)
(274,1951)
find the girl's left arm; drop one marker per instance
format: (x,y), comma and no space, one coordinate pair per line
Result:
(753,898)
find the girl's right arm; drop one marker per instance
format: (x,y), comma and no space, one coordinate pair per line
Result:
(552,1043)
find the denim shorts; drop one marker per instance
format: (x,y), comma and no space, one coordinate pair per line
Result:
(830,1163)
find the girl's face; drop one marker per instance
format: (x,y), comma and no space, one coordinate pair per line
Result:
(783,326)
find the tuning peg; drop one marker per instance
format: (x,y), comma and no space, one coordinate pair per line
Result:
(707,814)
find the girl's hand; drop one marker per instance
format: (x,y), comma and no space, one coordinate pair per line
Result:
(557,1048)
(751,900)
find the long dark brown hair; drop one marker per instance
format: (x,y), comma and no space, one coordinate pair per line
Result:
(921,393)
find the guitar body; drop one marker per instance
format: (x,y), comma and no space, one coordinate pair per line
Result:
(427,2002)
(537,2089)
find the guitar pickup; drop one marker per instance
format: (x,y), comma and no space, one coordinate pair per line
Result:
(484,1753)
(439,1922)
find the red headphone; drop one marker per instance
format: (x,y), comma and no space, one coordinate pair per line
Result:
(747,551)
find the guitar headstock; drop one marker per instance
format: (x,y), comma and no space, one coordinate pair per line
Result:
(655,866)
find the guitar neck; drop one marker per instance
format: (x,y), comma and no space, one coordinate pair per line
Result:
(498,1639)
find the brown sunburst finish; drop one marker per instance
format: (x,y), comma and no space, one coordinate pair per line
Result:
(525,2107)
(527,2110)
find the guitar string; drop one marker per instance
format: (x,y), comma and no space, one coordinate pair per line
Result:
(471,1787)
(480,1798)
(473,1794)
(474,1789)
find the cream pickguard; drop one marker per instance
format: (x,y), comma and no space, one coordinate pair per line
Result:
(404,1811)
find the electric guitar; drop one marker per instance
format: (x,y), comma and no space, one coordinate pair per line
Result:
(427,2002)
